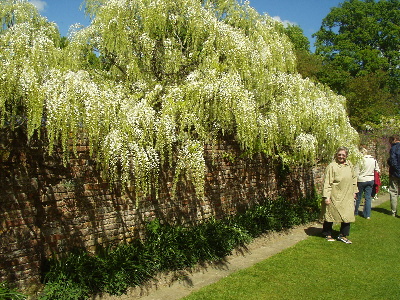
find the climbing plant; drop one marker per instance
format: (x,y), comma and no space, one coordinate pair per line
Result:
(168,76)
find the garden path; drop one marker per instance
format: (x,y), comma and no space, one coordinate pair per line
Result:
(177,285)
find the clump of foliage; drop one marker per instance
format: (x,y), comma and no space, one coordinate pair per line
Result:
(167,77)
(8,293)
(358,41)
(356,35)
(378,134)
(79,274)
(386,127)
(385,181)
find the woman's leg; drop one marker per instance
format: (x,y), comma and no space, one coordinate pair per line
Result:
(345,229)
(359,196)
(327,228)
(368,200)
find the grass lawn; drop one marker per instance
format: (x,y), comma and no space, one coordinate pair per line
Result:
(316,269)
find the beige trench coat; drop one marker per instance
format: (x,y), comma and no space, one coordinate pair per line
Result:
(340,184)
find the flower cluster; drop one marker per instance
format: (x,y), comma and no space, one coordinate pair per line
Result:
(190,162)
(151,81)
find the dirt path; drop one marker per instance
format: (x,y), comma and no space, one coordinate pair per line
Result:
(177,285)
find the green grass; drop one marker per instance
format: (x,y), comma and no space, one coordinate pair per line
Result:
(316,269)
(8,293)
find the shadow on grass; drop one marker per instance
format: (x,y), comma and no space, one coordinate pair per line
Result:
(313,231)
(317,231)
(382,210)
(183,276)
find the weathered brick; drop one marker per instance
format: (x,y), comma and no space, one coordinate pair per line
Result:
(69,206)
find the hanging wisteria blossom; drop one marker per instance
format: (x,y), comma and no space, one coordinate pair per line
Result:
(151,81)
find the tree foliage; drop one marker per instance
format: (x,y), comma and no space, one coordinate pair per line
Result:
(363,36)
(167,77)
(360,41)
(297,37)
(308,64)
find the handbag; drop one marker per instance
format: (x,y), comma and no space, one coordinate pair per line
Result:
(377,183)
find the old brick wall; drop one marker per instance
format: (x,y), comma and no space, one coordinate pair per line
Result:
(378,147)
(47,208)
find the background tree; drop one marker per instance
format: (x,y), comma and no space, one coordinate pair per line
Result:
(297,37)
(308,64)
(360,42)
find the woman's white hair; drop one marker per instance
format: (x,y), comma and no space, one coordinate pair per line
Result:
(343,149)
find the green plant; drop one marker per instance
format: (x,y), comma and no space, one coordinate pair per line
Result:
(8,293)
(163,242)
(127,265)
(77,270)
(223,236)
(385,180)
(64,288)
(229,157)
(277,215)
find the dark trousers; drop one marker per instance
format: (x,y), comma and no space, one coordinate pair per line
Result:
(327,228)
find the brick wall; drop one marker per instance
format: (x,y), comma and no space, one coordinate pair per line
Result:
(47,208)
(379,148)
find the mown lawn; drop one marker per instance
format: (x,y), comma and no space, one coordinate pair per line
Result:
(316,269)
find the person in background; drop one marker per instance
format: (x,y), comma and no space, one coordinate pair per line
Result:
(365,182)
(339,192)
(394,172)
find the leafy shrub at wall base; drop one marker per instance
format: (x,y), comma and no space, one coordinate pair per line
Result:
(78,274)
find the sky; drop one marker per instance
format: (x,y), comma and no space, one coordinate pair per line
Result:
(308,14)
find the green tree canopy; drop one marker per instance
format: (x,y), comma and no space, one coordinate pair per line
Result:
(171,75)
(308,64)
(297,37)
(362,36)
(360,44)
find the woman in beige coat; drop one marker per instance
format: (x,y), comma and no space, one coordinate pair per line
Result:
(340,188)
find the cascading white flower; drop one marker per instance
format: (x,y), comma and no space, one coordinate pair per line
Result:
(190,162)
(27,50)
(151,81)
